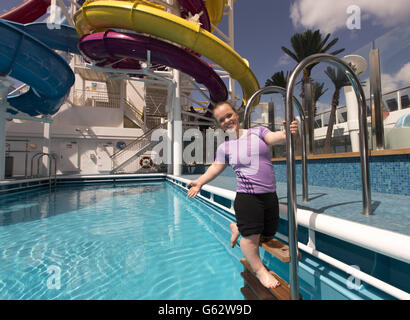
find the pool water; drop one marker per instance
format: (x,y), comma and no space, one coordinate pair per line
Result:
(133,241)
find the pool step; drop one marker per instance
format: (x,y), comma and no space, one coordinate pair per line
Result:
(248,293)
(278,249)
(254,290)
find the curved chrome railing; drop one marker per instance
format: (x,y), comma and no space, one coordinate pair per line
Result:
(290,162)
(355,82)
(282,91)
(51,157)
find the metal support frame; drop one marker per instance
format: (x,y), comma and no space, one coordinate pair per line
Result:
(210,121)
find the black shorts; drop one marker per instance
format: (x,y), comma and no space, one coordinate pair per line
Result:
(257,213)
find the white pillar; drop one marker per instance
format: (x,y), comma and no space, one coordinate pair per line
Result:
(399,106)
(4,89)
(352,117)
(177,125)
(46,148)
(360,66)
(170,130)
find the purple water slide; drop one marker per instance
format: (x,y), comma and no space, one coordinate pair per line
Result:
(127,49)
(27,12)
(196,6)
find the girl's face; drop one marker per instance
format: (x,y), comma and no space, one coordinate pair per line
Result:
(227,117)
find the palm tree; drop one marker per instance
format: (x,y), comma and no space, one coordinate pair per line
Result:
(278,79)
(339,80)
(317,92)
(281,80)
(305,44)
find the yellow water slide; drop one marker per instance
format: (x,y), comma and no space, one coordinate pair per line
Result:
(215,10)
(145,18)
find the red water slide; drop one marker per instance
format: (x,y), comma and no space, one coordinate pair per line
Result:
(27,12)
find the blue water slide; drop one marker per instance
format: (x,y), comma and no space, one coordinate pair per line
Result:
(26,54)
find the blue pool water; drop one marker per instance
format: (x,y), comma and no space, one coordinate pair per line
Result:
(135,241)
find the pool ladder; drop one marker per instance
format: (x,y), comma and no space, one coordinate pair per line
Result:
(291,291)
(52,182)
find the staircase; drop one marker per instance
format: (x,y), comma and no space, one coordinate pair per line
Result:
(135,115)
(126,160)
(253,289)
(156,99)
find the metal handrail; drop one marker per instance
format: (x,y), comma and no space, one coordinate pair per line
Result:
(51,157)
(362,114)
(282,91)
(290,162)
(133,143)
(32,162)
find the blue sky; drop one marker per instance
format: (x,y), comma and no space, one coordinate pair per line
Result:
(261,30)
(263,26)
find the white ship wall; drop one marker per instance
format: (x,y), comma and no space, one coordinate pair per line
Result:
(82,138)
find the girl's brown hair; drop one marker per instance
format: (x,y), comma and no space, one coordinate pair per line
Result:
(222,103)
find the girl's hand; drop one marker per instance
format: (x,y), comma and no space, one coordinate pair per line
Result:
(195,188)
(293,126)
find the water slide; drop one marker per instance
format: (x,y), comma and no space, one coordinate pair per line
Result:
(28,11)
(125,50)
(142,17)
(26,54)
(215,9)
(109,47)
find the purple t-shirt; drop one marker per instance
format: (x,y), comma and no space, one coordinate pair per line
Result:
(250,158)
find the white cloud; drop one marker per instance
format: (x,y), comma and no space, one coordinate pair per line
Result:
(284,60)
(391,82)
(329,16)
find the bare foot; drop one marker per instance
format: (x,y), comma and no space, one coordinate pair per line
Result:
(235,234)
(267,279)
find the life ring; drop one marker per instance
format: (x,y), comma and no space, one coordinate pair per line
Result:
(146,162)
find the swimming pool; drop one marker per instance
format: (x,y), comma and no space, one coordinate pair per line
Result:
(141,237)
(131,241)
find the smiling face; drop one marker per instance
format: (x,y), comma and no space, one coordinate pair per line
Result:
(227,117)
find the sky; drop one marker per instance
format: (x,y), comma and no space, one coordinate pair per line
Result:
(263,26)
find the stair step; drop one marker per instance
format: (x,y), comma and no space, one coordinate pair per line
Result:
(248,293)
(257,289)
(279,293)
(278,250)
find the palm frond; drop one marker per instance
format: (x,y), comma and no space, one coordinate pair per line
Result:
(278,79)
(290,54)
